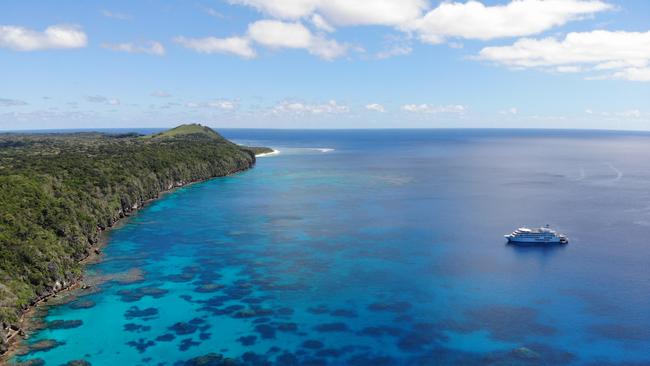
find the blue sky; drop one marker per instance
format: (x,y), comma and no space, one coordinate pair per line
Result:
(325,64)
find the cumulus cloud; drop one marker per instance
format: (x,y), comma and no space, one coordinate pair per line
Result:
(278,34)
(299,108)
(617,55)
(221,104)
(4,102)
(102,99)
(272,34)
(430,108)
(376,107)
(342,12)
(474,20)
(510,111)
(53,37)
(320,23)
(226,105)
(239,46)
(150,47)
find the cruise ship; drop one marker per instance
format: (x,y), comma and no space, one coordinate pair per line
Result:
(542,235)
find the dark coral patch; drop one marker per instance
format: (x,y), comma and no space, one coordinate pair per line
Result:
(181,328)
(211,359)
(209,287)
(205,336)
(183,277)
(313,362)
(32,362)
(320,309)
(187,344)
(332,327)
(253,312)
(64,324)
(287,359)
(140,292)
(422,336)
(287,327)
(132,327)
(395,307)
(141,344)
(167,337)
(504,322)
(252,358)
(368,359)
(346,313)
(81,304)
(312,344)
(534,354)
(330,352)
(44,345)
(379,331)
(78,363)
(136,312)
(266,331)
(285,311)
(247,340)
(197,321)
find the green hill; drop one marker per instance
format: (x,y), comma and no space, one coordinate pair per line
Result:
(193,130)
(59,191)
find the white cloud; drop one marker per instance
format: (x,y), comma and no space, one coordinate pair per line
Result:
(239,46)
(226,105)
(631,113)
(273,33)
(4,102)
(277,34)
(633,74)
(429,108)
(320,23)
(397,50)
(53,37)
(474,20)
(568,69)
(150,47)
(160,94)
(617,55)
(102,99)
(376,107)
(342,12)
(221,104)
(299,108)
(115,15)
(510,111)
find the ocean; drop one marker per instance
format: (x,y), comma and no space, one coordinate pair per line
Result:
(381,247)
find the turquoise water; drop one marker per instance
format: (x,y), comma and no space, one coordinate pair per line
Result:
(386,250)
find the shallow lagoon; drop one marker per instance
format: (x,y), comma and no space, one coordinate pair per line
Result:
(387,250)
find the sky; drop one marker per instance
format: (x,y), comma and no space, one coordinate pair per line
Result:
(325,64)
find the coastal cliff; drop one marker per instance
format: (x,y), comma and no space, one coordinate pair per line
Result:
(59,191)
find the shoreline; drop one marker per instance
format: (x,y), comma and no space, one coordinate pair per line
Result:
(16,336)
(274,152)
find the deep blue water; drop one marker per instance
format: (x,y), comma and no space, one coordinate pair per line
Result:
(386,250)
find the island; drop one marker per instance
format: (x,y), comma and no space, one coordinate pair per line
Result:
(59,191)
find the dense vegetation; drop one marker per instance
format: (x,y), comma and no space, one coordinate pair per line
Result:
(58,191)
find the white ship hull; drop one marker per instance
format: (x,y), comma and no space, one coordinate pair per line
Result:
(539,236)
(556,240)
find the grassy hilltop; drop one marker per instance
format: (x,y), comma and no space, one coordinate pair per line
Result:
(58,191)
